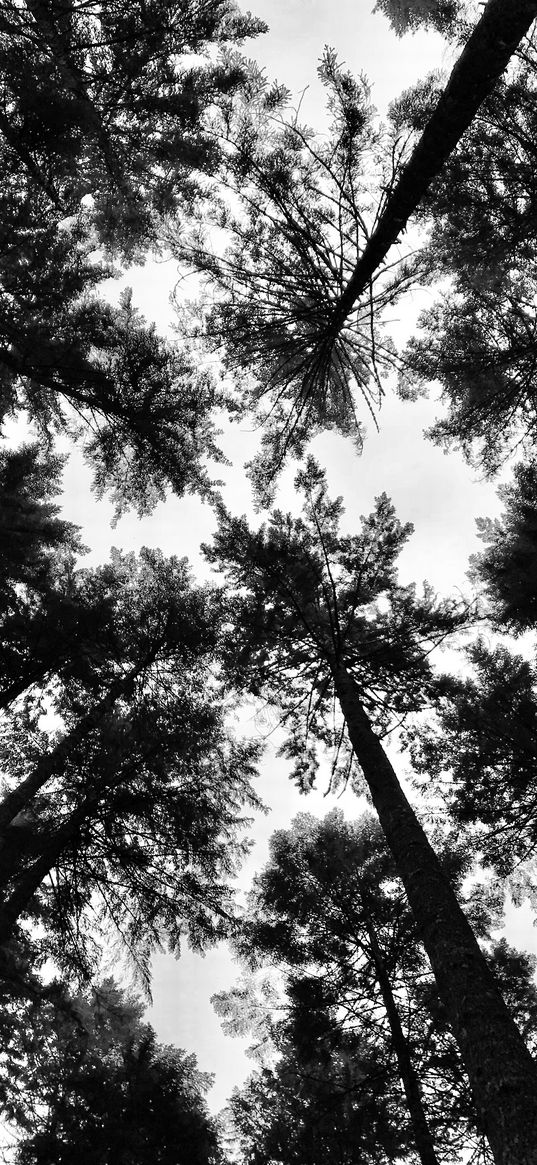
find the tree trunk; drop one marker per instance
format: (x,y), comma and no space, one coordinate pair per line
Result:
(422,1136)
(32,878)
(483,60)
(502,1074)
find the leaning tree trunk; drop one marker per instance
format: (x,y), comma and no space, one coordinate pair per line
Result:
(30,881)
(487,53)
(27,883)
(420,1128)
(51,763)
(502,1073)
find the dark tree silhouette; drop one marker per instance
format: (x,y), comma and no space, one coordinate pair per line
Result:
(306,278)
(129,815)
(329,913)
(313,633)
(98,1087)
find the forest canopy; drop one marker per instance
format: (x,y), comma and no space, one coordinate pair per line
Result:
(144,698)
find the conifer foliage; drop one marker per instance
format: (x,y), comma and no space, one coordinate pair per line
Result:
(99,1085)
(407,1029)
(341,664)
(102,132)
(329,915)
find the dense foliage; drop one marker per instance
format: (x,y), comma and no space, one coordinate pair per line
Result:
(399,1024)
(92,1080)
(329,914)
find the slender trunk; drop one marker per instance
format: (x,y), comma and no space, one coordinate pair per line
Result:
(494,40)
(52,762)
(422,1136)
(32,878)
(502,1074)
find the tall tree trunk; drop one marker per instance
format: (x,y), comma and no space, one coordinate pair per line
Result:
(420,1128)
(496,36)
(502,1074)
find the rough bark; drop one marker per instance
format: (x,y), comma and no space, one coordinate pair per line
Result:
(502,1073)
(420,1128)
(487,53)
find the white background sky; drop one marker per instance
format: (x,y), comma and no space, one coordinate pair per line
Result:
(438,493)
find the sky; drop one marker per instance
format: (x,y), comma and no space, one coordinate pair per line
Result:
(438,493)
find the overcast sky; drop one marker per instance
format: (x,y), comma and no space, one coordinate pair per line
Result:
(437,493)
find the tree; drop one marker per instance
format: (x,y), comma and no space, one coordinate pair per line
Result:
(55,619)
(315,913)
(129,815)
(484,734)
(304,281)
(477,339)
(121,81)
(315,635)
(330,914)
(97,1086)
(506,567)
(79,366)
(334,1105)
(31,531)
(326,909)
(485,737)
(303,212)
(407,15)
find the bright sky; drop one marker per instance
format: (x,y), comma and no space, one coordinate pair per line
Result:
(437,493)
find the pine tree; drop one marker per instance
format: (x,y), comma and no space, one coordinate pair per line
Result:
(135,136)
(129,813)
(119,80)
(306,276)
(96,1086)
(315,635)
(407,15)
(477,339)
(329,914)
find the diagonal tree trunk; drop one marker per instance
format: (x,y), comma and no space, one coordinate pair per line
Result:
(487,53)
(53,762)
(420,1128)
(30,881)
(502,1073)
